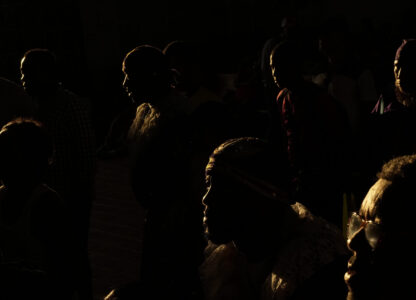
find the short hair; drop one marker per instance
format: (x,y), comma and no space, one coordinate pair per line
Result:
(406,53)
(399,169)
(287,54)
(183,51)
(25,143)
(41,58)
(399,199)
(146,59)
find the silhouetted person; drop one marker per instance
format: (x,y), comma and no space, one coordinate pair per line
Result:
(263,244)
(67,118)
(314,134)
(391,128)
(347,78)
(187,58)
(382,264)
(14,101)
(35,231)
(159,149)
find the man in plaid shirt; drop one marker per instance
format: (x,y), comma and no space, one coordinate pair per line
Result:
(67,119)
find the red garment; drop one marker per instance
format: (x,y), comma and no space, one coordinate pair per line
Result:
(314,133)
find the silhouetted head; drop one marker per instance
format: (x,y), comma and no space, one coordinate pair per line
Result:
(25,152)
(38,71)
(289,27)
(380,234)
(185,58)
(286,63)
(405,71)
(246,189)
(146,74)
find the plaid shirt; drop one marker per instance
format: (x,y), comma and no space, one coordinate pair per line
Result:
(70,126)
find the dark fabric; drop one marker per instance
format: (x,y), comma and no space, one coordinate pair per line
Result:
(327,284)
(315,134)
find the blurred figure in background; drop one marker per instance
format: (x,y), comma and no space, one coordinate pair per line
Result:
(314,133)
(67,119)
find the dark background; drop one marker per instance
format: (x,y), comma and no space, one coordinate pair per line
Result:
(91,37)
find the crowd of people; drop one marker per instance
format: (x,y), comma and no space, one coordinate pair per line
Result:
(251,189)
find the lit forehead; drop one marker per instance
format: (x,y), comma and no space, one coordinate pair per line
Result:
(22,61)
(210,166)
(370,203)
(123,67)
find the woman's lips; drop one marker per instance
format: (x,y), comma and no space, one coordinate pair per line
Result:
(349,275)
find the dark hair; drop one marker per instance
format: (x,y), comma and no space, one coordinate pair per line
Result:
(406,53)
(399,169)
(41,58)
(287,54)
(183,51)
(24,144)
(146,59)
(255,160)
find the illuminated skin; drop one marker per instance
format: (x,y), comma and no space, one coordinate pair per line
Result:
(397,74)
(36,80)
(377,273)
(218,210)
(127,82)
(26,77)
(237,214)
(274,71)
(405,79)
(141,85)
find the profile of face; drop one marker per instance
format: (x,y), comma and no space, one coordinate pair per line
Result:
(381,257)
(131,83)
(275,74)
(28,77)
(146,75)
(405,78)
(219,209)
(283,74)
(36,80)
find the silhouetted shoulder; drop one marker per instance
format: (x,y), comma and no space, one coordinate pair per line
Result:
(13,101)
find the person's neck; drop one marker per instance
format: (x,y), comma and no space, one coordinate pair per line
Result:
(273,234)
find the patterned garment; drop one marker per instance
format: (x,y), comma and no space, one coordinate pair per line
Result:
(71,129)
(226,274)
